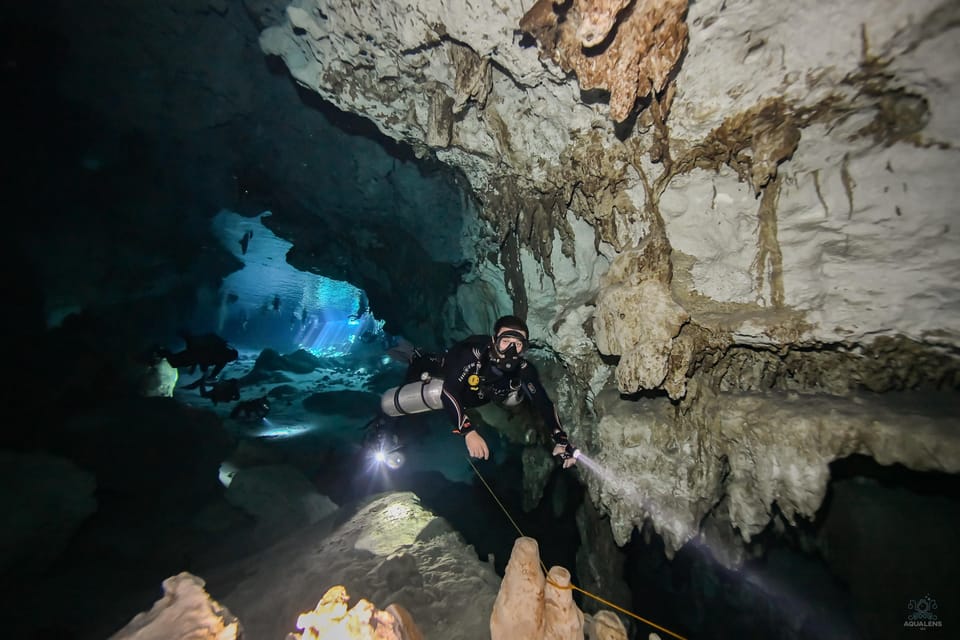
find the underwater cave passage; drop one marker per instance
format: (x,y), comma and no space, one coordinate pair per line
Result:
(270,304)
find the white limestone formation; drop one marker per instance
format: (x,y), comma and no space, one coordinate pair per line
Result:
(185,611)
(518,610)
(777,214)
(531,606)
(562,619)
(335,617)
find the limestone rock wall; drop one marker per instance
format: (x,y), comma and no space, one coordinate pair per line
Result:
(748,459)
(835,128)
(785,188)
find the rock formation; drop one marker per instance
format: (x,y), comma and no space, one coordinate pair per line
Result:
(185,612)
(632,62)
(561,616)
(528,606)
(605,625)
(531,606)
(390,549)
(519,609)
(333,617)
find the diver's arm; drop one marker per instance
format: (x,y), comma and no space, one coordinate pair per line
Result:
(451,404)
(533,389)
(476,445)
(453,389)
(456,359)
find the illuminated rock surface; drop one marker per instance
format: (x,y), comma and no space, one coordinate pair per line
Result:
(335,617)
(185,612)
(390,550)
(531,606)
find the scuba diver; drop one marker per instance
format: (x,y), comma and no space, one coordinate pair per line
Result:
(220,390)
(254,409)
(472,373)
(205,351)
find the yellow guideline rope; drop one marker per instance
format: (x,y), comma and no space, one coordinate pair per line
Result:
(571,585)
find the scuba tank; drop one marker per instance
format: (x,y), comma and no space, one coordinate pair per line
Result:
(413,397)
(422,396)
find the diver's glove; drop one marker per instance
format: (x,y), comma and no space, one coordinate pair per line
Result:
(563,449)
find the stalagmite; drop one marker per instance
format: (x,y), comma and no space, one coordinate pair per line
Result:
(531,607)
(518,610)
(184,611)
(562,619)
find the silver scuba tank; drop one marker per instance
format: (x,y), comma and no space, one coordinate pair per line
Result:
(413,397)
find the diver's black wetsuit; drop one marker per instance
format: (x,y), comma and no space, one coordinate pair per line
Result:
(471,380)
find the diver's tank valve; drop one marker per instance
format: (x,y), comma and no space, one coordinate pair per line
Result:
(515,396)
(413,397)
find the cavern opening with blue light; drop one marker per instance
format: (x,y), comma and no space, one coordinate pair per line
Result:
(270,304)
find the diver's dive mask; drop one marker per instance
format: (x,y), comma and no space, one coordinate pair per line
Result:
(507,347)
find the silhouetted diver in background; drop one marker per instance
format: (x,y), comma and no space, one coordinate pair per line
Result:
(223,391)
(208,350)
(251,409)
